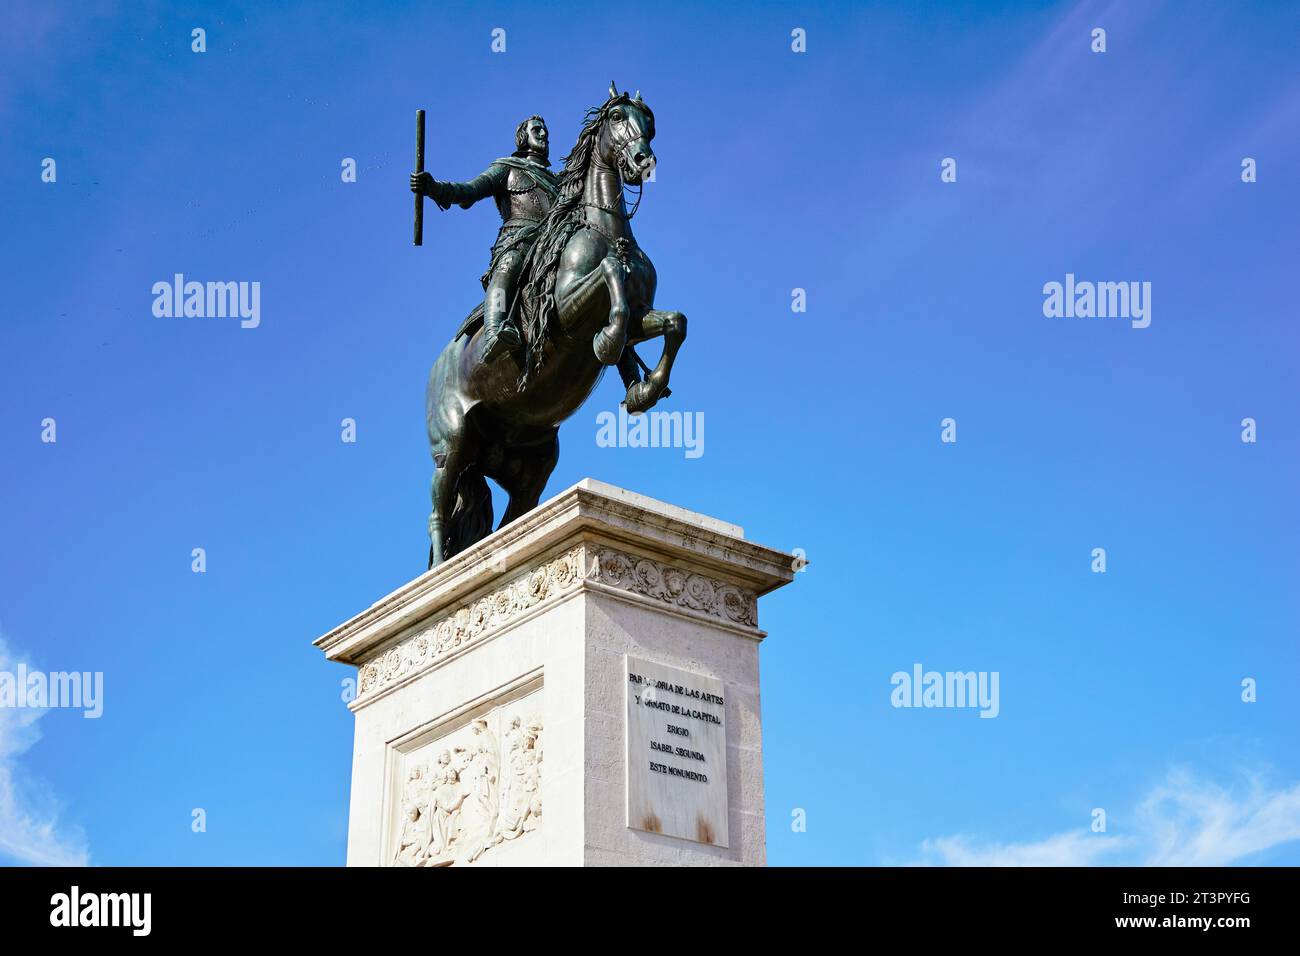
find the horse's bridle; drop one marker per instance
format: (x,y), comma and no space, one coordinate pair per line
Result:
(620,147)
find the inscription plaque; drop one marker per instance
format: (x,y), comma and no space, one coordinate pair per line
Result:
(676,753)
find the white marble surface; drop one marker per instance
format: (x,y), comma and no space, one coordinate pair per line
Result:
(676,752)
(662,507)
(536,623)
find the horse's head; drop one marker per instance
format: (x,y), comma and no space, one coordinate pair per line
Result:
(626,128)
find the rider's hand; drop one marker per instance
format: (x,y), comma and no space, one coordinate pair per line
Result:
(422,184)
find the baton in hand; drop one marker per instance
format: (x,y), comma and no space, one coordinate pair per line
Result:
(419,168)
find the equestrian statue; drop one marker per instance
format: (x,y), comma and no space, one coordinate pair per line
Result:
(567,292)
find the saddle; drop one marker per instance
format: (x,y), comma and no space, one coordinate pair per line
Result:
(471,324)
(474,320)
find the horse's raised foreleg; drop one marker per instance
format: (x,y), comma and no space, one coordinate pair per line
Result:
(672,326)
(607,277)
(608,342)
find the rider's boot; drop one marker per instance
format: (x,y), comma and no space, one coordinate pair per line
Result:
(499,337)
(499,334)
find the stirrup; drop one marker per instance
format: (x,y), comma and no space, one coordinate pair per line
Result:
(504,338)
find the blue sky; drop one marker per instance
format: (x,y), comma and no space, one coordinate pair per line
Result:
(777,170)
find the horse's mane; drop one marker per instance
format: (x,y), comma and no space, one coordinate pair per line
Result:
(561,221)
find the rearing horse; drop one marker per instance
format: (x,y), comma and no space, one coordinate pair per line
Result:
(590,293)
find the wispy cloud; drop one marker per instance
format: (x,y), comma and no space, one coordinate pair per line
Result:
(1184,820)
(1192,822)
(30,831)
(1074,848)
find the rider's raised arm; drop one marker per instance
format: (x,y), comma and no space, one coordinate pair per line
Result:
(467,194)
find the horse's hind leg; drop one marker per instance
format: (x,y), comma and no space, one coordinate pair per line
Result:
(672,326)
(451,457)
(524,478)
(443,493)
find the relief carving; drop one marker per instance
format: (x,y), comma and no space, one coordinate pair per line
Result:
(471,798)
(474,621)
(471,622)
(675,586)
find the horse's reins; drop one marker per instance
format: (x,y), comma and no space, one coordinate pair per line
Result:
(619,145)
(620,245)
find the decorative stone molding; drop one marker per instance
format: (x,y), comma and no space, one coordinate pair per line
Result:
(478,619)
(530,641)
(471,622)
(675,586)
(587,515)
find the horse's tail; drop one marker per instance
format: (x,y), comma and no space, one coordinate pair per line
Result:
(471,518)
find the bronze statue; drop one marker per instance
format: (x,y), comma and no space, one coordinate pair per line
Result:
(583,291)
(524,190)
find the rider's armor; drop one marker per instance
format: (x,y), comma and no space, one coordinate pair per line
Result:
(524,189)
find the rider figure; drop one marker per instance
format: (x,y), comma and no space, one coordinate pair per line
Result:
(524,189)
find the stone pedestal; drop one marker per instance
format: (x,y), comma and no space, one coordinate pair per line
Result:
(579,688)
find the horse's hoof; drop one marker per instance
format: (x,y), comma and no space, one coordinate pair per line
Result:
(607,348)
(641,396)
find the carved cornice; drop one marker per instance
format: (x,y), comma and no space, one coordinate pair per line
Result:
(675,586)
(585,514)
(470,623)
